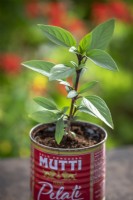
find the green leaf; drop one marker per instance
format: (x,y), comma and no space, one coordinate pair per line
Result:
(85,110)
(68,89)
(72,94)
(73,50)
(39,66)
(87,86)
(99,108)
(58,35)
(64,109)
(76,118)
(45,116)
(102,59)
(64,83)
(60,71)
(102,34)
(74,64)
(85,42)
(59,132)
(46,103)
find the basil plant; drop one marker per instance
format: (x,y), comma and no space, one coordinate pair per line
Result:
(91,47)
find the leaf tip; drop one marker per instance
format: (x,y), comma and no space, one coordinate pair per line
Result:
(23,63)
(117,69)
(111,125)
(111,20)
(40,26)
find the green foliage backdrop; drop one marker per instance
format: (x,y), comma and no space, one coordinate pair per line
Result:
(22,40)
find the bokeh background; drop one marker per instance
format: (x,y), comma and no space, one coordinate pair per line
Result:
(21,40)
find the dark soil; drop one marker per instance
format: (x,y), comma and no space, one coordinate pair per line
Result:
(86,135)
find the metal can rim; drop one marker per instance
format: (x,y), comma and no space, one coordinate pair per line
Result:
(63,149)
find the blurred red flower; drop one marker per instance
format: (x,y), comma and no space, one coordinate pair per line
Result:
(10,63)
(76,26)
(61,89)
(117,9)
(121,11)
(32,9)
(56,13)
(100,12)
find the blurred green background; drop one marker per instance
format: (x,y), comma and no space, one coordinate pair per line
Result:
(21,40)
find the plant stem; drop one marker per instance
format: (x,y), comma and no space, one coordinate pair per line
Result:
(72,108)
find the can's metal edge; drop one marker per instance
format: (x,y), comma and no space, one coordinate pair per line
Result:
(61,151)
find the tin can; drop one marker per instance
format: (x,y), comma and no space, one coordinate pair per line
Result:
(62,174)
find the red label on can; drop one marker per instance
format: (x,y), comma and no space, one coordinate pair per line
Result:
(63,177)
(99,175)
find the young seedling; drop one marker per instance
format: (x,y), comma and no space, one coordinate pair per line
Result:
(92,46)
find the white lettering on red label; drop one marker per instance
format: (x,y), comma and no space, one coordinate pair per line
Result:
(54,164)
(75,194)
